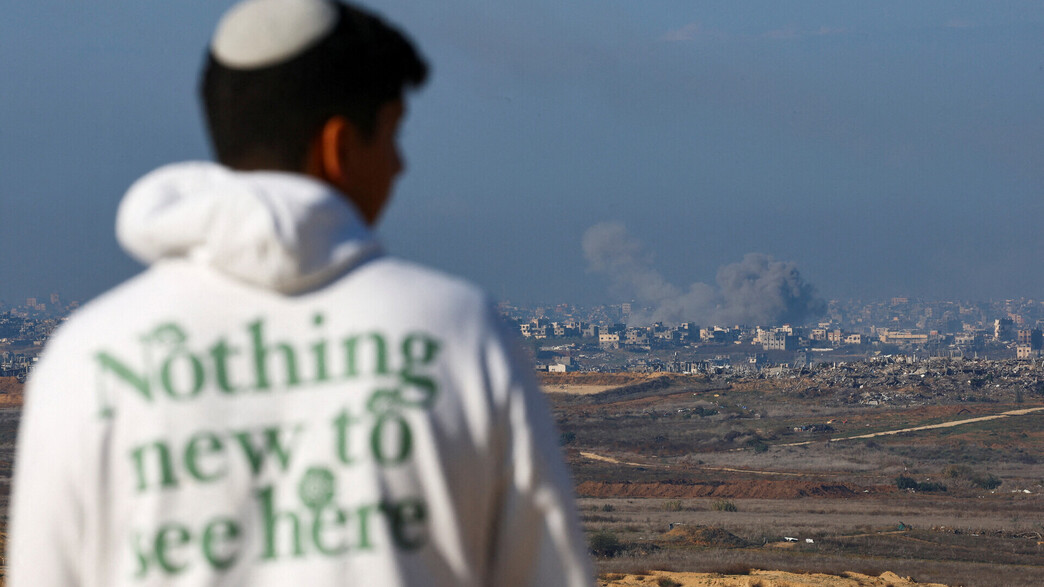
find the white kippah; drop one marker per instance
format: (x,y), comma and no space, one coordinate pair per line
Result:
(258,33)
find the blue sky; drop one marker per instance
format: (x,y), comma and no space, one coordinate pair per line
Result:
(885,148)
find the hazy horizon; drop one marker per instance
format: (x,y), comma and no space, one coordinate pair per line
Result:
(884,149)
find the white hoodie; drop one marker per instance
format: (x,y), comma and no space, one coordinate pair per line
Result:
(273,402)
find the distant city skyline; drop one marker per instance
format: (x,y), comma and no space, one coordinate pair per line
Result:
(587,338)
(880,149)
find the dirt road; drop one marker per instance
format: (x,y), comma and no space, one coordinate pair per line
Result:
(597,457)
(949,424)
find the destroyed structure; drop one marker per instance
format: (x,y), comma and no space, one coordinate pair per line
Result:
(982,340)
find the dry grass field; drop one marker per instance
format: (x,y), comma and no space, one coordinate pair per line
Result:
(690,475)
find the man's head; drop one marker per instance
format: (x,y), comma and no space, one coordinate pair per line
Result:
(310,86)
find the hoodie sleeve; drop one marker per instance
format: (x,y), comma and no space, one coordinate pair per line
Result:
(45,547)
(537,537)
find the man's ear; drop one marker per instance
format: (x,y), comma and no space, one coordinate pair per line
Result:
(328,151)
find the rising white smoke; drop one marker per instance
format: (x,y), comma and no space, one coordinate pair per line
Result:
(756,291)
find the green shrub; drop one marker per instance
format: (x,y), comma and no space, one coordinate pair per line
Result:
(673,505)
(724,505)
(904,482)
(604,543)
(667,582)
(608,507)
(987,482)
(757,445)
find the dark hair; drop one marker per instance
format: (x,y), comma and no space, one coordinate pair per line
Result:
(265,118)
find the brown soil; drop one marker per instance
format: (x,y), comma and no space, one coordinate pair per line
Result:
(761,578)
(11,391)
(757,489)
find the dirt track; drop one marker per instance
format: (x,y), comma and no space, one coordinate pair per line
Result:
(605,459)
(949,424)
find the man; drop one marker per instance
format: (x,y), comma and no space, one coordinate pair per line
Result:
(274,402)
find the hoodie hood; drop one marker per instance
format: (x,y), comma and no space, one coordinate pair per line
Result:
(279,231)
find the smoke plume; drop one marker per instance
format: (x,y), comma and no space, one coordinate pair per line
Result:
(756,291)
